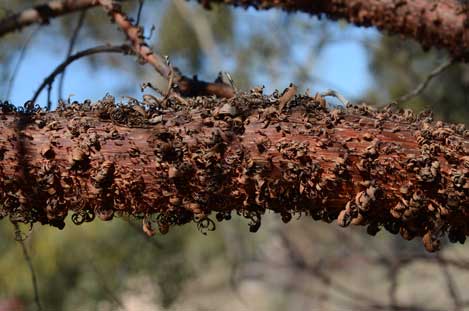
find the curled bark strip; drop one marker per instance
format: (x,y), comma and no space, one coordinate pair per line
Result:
(216,157)
(443,24)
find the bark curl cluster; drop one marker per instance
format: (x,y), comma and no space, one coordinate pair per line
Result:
(170,162)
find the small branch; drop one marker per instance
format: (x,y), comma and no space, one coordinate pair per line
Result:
(19,61)
(31,268)
(42,13)
(139,12)
(99,49)
(421,87)
(71,45)
(104,285)
(186,86)
(393,274)
(451,285)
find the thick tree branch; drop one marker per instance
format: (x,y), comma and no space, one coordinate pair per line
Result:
(443,24)
(171,164)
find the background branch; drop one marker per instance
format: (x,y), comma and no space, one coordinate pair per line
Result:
(185,86)
(441,24)
(30,266)
(421,87)
(124,49)
(23,51)
(40,14)
(71,45)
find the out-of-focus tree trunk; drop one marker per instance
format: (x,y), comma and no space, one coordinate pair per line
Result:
(181,161)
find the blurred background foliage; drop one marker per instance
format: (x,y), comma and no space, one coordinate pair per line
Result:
(298,266)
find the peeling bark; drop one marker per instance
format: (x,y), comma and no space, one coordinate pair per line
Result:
(171,164)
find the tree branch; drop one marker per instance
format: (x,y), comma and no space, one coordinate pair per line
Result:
(443,24)
(185,86)
(19,62)
(42,13)
(60,69)
(423,85)
(29,262)
(71,45)
(176,164)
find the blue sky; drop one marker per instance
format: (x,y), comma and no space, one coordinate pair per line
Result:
(342,65)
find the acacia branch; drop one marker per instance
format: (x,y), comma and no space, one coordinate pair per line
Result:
(185,86)
(442,24)
(29,262)
(170,164)
(61,68)
(42,13)
(71,46)
(423,85)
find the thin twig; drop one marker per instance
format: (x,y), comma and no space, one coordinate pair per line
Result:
(42,13)
(139,12)
(49,91)
(31,268)
(393,273)
(71,45)
(104,285)
(421,87)
(19,62)
(134,33)
(451,285)
(60,68)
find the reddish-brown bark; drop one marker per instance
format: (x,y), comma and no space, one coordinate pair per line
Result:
(172,164)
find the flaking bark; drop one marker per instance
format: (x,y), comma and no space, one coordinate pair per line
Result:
(169,163)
